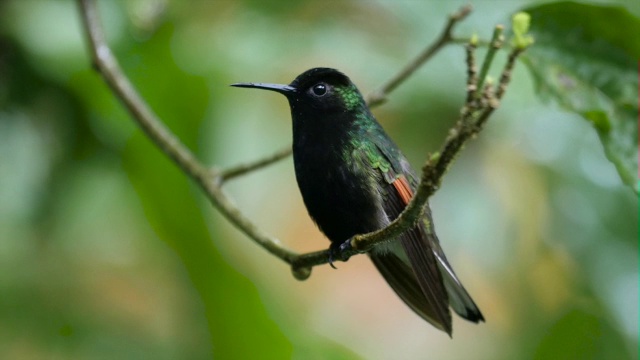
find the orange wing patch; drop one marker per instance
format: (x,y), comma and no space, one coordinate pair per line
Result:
(404,190)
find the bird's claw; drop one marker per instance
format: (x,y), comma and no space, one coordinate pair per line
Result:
(331,260)
(339,252)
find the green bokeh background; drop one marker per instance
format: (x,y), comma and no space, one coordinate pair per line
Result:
(108,251)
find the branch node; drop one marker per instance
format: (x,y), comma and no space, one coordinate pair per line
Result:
(301,273)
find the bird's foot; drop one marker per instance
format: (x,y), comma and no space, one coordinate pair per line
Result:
(339,251)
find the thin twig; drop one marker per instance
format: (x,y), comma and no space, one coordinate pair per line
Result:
(505,78)
(508,70)
(472,70)
(379,96)
(496,43)
(467,40)
(242,169)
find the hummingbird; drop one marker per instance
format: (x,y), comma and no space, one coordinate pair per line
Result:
(354,180)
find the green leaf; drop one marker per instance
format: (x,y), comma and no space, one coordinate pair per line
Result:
(585,59)
(579,334)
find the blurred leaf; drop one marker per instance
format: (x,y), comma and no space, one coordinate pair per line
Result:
(580,335)
(53,110)
(239,325)
(585,58)
(318,347)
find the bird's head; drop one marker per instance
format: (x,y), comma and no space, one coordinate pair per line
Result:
(317,92)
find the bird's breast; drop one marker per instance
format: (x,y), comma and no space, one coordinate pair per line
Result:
(339,195)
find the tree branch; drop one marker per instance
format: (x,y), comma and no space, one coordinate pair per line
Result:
(242,169)
(104,61)
(474,114)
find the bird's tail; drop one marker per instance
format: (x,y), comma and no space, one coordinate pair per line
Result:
(459,299)
(420,274)
(403,281)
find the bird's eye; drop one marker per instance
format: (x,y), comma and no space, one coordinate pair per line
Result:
(319,89)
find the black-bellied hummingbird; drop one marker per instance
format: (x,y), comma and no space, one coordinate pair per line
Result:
(354,180)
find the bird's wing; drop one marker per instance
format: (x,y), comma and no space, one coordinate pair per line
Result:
(411,268)
(420,246)
(416,253)
(459,298)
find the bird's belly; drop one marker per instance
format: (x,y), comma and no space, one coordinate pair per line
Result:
(342,201)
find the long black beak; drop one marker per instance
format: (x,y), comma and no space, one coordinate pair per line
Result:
(282,89)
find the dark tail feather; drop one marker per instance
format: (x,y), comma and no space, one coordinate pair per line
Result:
(459,298)
(427,272)
(403,281)
(428,285)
